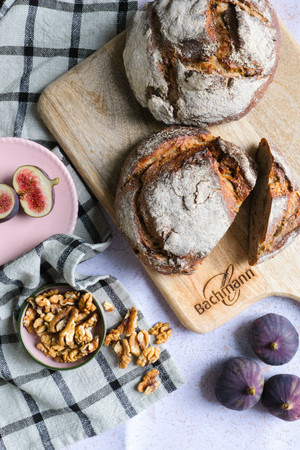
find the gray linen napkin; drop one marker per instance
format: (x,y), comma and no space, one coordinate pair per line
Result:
(40,408)
(48,409)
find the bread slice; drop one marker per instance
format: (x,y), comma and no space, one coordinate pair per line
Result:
(275,207)
(178,194)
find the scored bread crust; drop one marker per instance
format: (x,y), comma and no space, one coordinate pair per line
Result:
(178,193)
(202,62)
(275,206)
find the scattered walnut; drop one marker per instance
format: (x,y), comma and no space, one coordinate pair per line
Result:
(112,337)
(86,304)
(28,319)
(125,356)
(149,383)
(134,344)
(143,339)
(118,348)
(155,330)
(152,388)
(137,342)
(108,306)
(162,331)
(132,321)
(115,334)
(148,356)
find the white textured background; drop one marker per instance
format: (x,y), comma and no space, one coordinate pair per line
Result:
(190,418)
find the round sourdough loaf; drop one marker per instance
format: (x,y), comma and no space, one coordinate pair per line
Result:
(202,62)
(178,193)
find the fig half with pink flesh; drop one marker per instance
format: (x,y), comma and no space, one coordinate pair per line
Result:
(9,203)
(35,190)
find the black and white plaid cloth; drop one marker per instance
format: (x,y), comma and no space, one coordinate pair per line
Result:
(40,408)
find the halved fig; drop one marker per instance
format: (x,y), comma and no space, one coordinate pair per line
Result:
(35,190)
(9,203)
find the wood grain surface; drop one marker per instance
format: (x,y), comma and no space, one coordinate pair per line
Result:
(93,115)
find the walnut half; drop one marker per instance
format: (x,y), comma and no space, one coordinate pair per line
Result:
(149,356)
(162,331)
(108,306)
(149,383)
(123,351)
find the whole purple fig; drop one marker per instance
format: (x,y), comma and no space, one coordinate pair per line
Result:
(281,396)
(274,339)
(9,203)
(35,190)
(240,384)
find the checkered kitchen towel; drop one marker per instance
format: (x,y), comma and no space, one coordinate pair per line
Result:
(40,40)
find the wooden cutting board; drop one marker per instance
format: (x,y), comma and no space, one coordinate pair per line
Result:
(93,115)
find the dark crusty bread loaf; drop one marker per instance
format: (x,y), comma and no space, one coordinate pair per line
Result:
(275,206)
(178,193)
(201,62)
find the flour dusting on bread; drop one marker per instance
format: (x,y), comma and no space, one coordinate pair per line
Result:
(178,193)
(202,62)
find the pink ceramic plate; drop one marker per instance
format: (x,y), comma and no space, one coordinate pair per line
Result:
(22,233)
(29,341)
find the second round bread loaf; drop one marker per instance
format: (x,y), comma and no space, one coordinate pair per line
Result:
(178,193)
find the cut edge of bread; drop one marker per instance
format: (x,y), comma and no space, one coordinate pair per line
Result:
(274,219)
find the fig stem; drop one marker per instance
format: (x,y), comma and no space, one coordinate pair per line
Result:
(54,181)
(286,406)
(274,346)
(251,391)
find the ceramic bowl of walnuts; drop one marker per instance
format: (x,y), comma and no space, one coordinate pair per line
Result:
(60,327)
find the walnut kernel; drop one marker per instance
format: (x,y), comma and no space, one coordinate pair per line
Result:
(148,356)
(28,319)
(149,383)
(132,321)
(125,357)
(134,344)
(143,339)
(86,304)
(162,331)
(108,306)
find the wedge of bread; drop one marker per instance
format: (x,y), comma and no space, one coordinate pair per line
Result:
(275,208)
